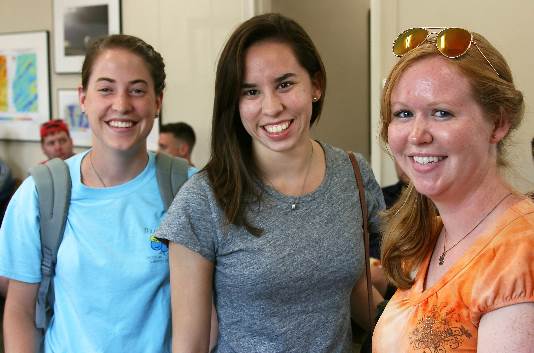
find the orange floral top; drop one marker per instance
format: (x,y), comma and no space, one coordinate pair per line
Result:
(497,271)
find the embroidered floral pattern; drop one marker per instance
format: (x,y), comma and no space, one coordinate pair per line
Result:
(438,333)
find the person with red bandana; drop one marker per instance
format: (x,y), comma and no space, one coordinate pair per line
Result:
(55,139)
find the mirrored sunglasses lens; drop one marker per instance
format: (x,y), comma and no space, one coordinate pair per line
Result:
(453,42)
(409,40)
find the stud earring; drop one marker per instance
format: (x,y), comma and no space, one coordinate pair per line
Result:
(315,99)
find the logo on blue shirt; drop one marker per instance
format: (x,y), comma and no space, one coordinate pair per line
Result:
(158,246)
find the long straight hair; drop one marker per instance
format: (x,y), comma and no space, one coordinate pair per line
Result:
(231,169)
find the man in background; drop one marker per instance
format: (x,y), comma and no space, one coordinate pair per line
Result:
(177,139)
(55,139)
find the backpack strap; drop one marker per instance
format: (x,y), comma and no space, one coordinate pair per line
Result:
(53,184)
(172,174)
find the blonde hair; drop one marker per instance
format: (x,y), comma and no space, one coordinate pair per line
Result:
(411,226)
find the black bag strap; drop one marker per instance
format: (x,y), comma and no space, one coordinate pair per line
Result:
(363,205)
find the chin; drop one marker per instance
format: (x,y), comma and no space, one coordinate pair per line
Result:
(430,191)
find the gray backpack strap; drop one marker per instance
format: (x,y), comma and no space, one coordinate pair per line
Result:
(172,174)
(53,184)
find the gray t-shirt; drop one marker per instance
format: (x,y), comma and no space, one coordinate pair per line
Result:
(289,289)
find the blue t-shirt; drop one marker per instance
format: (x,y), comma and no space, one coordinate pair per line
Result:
(112,277)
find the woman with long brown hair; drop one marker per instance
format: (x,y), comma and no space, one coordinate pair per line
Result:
(272,227)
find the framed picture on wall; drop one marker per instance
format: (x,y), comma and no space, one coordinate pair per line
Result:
(69,110)
(24,85)
(76,24)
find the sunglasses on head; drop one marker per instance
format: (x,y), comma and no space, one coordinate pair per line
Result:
(450,42)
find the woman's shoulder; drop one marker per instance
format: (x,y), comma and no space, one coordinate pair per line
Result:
(333,152)
(511,239)
(505,267)
(517,224)
(197,189)
(199,181)
(337,156)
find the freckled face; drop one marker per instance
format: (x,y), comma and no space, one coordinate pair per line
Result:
(120,101)
(276,98)
(438,133)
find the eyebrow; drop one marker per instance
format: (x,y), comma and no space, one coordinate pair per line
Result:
(277,80)
(110,80)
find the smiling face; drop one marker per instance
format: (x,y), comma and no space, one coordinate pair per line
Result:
(438,133)
(276,98)
(120,101)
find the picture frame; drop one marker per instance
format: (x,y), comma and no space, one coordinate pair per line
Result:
(76,24)
(24,84)
(70,111)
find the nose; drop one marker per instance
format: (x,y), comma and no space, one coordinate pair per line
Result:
(58,146)
(420,133)
(271,104)
(121,103)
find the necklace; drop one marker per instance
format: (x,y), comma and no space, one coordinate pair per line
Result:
(296,200)
(445,250)
(94,169)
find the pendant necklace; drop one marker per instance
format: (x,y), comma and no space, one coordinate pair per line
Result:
(296,200)
(94,169)
(445,250)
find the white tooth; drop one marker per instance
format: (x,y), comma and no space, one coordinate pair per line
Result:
(426,160)
(121,124)
(277,128)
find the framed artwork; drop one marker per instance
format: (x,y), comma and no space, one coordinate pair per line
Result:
(70,111)
(76,24)
(24,85)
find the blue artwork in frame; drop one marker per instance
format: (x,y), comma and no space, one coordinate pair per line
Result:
(24,84)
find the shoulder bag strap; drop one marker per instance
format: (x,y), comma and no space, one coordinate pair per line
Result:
(363,205)
(171,173)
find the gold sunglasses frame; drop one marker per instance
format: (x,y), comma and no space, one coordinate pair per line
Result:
(431,32)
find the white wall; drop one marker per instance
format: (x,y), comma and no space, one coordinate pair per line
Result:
(506,24)
(189,35)
(339,29)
